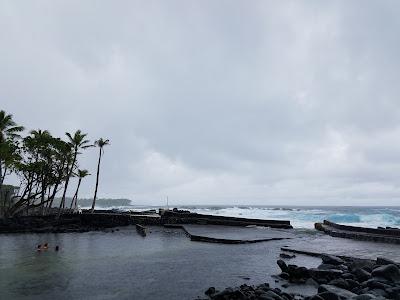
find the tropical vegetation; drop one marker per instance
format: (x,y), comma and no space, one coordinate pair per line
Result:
(44,165)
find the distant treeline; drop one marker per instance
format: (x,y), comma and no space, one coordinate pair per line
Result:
(87,202)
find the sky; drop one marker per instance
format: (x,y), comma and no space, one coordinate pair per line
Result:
(215,102)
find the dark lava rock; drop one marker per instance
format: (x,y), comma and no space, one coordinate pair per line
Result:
(352,283)
(283,266)
(384,261)
(340,282)
(316,297)
(329,296)
(210,291)
(229,293)
(348,276)
(284,275)
(364,297)
(312,282)
(325,274)
(394,292)
(390,272)
(342,293)
(332,260)
(288,256)
(376,283)
(328,266)
(361,274)
(273,295)
(379,292)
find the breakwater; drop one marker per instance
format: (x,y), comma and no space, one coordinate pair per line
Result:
(385,235)
(86,221)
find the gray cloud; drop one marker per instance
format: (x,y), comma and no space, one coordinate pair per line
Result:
(268,102)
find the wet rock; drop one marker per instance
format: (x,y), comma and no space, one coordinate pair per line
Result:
(384,261)
(273,295)
(284,275)
(283,266)
(364,297)
(332,260)
(329,296)
(352,283)
(326,275)
(287,256)
(229,293)
(379,293)
(312,282)
(376,283)
(394,292)
(340,282)
(210,291)
(328,267)
(390,272)
(361,274)
(342,293)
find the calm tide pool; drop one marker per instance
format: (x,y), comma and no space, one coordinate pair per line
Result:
(163,265)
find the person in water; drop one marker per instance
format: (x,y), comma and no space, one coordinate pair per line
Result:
(57,248)
(45,246)
(39,248)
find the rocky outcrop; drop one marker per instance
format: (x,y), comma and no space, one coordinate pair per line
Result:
(337,278)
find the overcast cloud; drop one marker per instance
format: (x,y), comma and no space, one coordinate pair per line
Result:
(215,102)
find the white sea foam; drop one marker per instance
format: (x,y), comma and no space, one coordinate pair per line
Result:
(300,217)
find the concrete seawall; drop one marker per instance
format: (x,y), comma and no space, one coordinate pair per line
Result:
(359,233)
(99,220)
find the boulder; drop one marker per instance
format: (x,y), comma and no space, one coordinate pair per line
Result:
(318,274)
(283,266)
(364,297)
(287,256)
(331,260)
(329,296)
(328,266)
(210,291)
(284,275)
(341,293)
(390,272)
(384,261)
(340,282)
(361,274)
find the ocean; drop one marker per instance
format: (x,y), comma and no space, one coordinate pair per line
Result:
(300,216)
(165,264)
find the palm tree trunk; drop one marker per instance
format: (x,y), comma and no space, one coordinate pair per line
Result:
(62,203)
(1,174)
(97,181)
(76,194)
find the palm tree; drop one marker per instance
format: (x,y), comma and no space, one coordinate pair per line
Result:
(81,174)
(77,142)
(9,130)
(99,143)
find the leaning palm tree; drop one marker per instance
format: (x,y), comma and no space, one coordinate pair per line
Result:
(99,143)
(77,142)
(9,130)
(81,174)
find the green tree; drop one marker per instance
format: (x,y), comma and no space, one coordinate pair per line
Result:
(99,143)
(9,133)
(81,174)
(77,142)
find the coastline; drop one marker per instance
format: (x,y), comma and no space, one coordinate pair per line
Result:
(214,232)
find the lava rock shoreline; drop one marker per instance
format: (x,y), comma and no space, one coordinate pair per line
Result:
(337,278)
